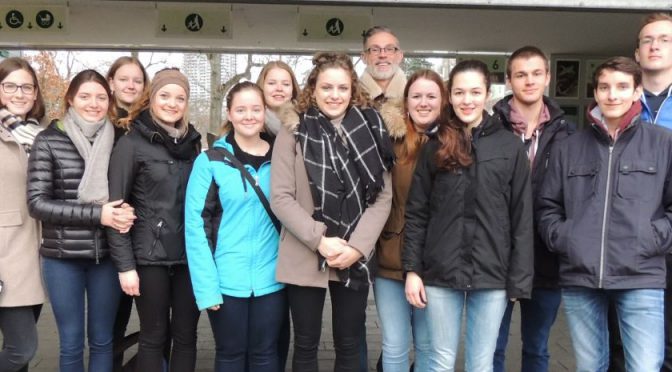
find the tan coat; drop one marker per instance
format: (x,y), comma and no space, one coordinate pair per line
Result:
(292,203)
(19,233)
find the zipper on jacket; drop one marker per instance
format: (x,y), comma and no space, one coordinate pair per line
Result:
(157,235)
(95,248)
(604,218)
(655,119)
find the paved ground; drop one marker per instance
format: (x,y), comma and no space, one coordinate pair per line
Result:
(562,358)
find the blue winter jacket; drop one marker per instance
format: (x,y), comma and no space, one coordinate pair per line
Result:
(232,245)
(664,117)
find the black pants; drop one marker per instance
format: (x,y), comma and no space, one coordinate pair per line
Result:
(19,333)
(167,309)
(348,317)
(120,325)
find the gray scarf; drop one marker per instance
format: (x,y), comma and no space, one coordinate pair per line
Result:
(93,188)
(273,123)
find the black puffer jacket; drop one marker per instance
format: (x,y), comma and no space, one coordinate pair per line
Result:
(554,131)
(472,228)
(55,169)
(150,171)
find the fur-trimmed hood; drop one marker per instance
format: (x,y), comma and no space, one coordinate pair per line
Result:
(392,113)
(289,116)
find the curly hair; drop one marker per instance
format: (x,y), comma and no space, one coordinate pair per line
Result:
(326,60)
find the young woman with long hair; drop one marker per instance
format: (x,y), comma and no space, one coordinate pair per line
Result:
(410,123)
(280,88)
(128,80)
(468,243)
(68,192)
(149,168)
(22,293)
(330,189)
(232,241)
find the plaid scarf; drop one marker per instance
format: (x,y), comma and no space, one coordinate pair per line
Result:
(345,172)
(24,132)
(344,177)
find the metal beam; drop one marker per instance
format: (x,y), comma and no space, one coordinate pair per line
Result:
(612,5)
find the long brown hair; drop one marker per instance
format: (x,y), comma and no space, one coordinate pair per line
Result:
(86,76)
(455,149)
(9,65)
(323,61)
(412,139)
(239,87)
(116,65)
(283,66)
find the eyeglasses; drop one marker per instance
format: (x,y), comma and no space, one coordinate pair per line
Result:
(662,40)
(10,88)
(387,50)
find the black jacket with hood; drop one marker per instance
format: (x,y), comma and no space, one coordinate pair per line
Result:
(553,131)
(606,205)
(149,170)
(472,228)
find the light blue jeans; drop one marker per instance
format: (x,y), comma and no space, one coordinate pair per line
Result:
(640,319)
(398,320)
(484,310)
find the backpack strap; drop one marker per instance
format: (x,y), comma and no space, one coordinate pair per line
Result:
(221,154)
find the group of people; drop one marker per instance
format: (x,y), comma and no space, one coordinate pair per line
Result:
(407,186)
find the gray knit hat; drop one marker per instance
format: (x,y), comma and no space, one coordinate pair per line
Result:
(168,76)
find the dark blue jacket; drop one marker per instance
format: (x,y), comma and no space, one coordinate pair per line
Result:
(554,131)
(606,207)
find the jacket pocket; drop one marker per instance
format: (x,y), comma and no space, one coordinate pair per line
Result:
(10,218)
(582,180)
(494,172)
(637,180)
(159,170)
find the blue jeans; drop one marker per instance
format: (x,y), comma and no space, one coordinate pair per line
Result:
(484,310)
(398,319)
(537,316)
(248,329)
(640,319)
(71,284)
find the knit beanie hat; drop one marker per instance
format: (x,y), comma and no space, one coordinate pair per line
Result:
(168,76)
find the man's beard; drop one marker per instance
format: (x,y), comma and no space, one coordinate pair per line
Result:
(381,75)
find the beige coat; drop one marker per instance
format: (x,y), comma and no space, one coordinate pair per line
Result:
(19,233)
(292,203)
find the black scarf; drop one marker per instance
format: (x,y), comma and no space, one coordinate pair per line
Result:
(345,178)
(185,148)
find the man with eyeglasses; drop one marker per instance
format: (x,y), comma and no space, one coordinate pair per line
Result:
(654,55)
(383,78)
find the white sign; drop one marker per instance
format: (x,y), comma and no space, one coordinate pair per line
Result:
(33,18)
(203,21)
(332,25)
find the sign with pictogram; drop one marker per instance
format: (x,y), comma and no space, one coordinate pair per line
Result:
(51,18)
(496,65)
(202,20)
(334,25)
